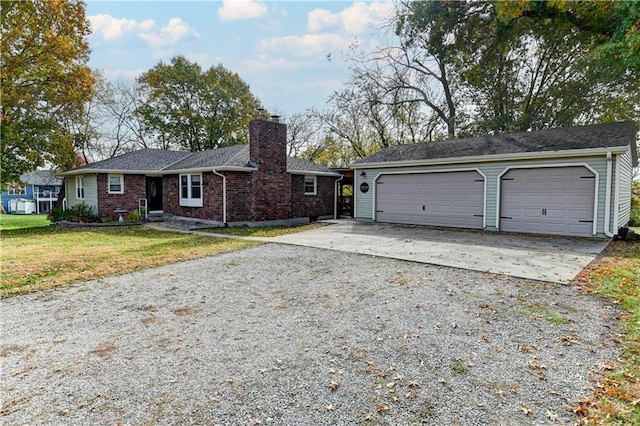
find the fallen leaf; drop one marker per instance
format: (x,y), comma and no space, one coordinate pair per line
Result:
(333,385)
(328,407)
(382,408)
(527,410)
(501,393)
(391,384)
(414,384)
(513,389)
(368,416)
(483,336)
(552,416)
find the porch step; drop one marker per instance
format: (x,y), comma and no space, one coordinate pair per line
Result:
(159,217)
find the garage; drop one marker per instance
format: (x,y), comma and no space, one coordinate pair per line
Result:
(454,199)
(548,200)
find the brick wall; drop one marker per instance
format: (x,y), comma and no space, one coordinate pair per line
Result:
(238,196)
(134,189)
(270,197)
(312,206)
(211,193)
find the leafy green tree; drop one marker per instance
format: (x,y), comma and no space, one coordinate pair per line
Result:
(194,110)
(486,66)
(45,82)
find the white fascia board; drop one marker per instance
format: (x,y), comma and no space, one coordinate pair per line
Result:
(157,172)
(496,157)
(310,173)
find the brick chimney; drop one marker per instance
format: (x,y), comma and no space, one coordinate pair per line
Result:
(271,184)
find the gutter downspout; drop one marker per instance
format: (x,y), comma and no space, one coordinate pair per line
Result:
(607,197)
(616,199)
(335,201)
(224,195)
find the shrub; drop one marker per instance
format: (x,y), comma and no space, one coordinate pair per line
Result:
(78,213)
(635,210)
(134,216)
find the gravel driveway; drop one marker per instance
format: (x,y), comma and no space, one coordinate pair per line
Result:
(287,335)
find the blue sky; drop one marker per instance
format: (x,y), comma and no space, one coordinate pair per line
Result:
(281,49)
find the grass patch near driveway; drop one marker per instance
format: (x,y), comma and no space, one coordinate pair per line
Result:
(42,258)
(20,221)
(616,274)
(263,231)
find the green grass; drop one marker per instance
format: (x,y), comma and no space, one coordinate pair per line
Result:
(20,221)
(616,275)
(544,312)
(35,259)
(262,231)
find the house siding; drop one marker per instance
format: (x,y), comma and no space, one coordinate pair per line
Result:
(238,197)
(134,189)
(90,192)
(312,206)
(624,162)
(211,198)
(491,171)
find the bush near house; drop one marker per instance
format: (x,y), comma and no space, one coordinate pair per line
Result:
(635,205)
(83,213)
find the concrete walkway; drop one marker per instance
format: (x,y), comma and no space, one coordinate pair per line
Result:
(545,258)
(554,259)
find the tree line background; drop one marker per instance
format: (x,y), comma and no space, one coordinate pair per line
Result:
(446,69)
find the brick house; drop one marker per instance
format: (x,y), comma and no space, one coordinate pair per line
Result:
(235,185)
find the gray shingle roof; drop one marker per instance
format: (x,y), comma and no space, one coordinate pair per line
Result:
(142,160)
(572,138)
(297,165)
(232,156)
(41,178)
(163,161)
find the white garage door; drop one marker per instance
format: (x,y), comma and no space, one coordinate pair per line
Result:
(439,199)
(553,200)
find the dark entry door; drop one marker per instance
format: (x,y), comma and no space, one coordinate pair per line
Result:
(154,193)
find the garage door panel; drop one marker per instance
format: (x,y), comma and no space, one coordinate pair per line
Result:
(552,200)
(454,199)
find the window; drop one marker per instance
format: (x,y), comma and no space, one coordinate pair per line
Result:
(191,190)
(310,185)
(116,184)
(17,190)
(79,187)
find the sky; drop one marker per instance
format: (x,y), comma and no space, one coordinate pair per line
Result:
(291,53)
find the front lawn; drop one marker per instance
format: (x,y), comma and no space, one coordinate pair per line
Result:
(616,274)
(19,221)
(42,258)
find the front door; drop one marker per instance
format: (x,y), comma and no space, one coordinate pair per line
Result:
(154,193)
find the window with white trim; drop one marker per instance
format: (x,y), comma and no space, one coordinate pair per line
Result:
(191,190)
(115,184)
(310,185)
(79,187)
(17,190)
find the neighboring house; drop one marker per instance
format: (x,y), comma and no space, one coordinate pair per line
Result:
(234,185)
(36,192)
(572,181)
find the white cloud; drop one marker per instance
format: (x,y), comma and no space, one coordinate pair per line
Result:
(355,19)
(322,19)
(307,45)
(241,10)
(169,35)
(112,28)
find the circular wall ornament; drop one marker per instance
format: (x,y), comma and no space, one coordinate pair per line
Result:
(364,187)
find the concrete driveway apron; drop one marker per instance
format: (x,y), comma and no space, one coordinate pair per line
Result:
(546,258)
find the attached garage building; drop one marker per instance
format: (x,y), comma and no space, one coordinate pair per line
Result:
(572,181)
